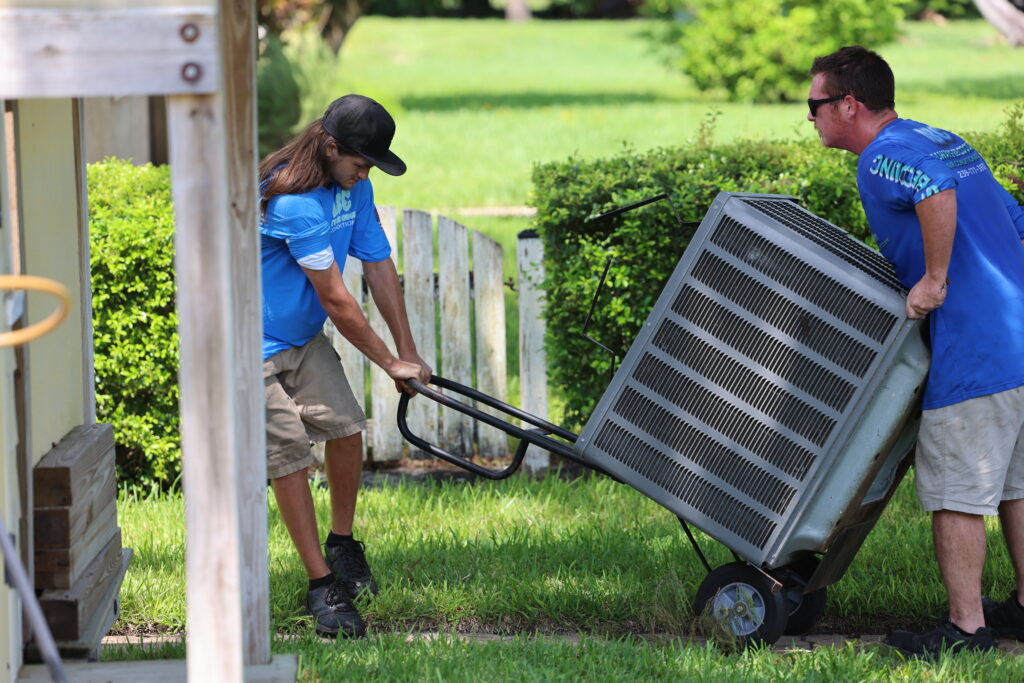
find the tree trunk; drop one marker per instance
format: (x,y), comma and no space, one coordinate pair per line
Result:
(338,18)
(1006,17)
(517,10)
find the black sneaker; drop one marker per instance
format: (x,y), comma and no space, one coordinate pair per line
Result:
(348,562)
(333,611)
(1005,618)
(945,637)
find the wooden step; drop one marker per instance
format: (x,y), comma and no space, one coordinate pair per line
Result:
(75,505)
(68,611)
(60,568)
(77,466)
(108,609)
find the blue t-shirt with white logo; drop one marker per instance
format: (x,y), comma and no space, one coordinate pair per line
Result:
(312,229)
(977,335)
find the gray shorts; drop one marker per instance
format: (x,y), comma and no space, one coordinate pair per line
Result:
(970,455)
(308,399)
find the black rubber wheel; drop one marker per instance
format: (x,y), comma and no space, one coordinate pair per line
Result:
(804,609)
(735,603)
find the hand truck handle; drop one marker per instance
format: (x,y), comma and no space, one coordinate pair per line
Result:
(537,436)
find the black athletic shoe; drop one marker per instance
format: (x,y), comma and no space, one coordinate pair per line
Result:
(348,562)
(1005,618)
(333,611)
(945,637)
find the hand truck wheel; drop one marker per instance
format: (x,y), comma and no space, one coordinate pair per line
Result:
(804,609)
(735,604)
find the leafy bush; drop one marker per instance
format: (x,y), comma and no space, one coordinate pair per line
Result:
(135,326)
(1005,151)
(646,244)
(760,52)
(279,100)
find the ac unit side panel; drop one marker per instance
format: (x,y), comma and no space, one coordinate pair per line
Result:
(747,370)
(888,420)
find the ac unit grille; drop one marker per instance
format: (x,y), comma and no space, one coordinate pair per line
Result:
(770,306)
(763,349)
(684,441)
(750,387)
(830,237)
(721,416)
(684,484)
(793,273)
(748,374)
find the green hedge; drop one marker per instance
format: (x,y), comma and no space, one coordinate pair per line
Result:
(135,326)
(647,243)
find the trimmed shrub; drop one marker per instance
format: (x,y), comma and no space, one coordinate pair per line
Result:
(760,52)
(646,244)
(135,325)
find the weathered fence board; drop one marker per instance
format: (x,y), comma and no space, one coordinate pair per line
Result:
(465,310)
(386,441)
(418,261)
(533,371)
(491,354)
(456,361)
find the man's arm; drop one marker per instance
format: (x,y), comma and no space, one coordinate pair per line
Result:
(386,290)
(937,215)
(347,316)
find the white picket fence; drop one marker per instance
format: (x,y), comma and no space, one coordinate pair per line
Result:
(467,306)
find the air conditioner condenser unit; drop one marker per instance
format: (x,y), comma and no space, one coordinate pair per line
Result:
(770,399)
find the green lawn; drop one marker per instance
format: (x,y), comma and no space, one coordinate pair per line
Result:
(479,102)
(585,556)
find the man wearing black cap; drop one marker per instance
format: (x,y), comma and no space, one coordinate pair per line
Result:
(317,209)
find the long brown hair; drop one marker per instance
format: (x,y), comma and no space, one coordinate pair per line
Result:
(299,166)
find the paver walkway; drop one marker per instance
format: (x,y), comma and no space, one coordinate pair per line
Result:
(785,644)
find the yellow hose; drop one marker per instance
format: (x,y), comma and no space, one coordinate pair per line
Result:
(35,284)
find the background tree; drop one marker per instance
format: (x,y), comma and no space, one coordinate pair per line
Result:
(332,18)
(1007,16)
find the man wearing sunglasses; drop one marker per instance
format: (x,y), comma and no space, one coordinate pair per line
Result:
(954,237)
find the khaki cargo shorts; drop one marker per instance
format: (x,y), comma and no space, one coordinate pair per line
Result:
(970,455)
(308,399)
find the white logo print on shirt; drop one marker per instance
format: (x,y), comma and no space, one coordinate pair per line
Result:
(342,202)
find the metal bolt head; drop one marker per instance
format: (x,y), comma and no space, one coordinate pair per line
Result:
(191,72)
(189,32)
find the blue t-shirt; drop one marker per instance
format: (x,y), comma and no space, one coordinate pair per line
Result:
(977,335)
(313,228)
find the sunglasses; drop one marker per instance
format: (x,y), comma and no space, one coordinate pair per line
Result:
(813,104)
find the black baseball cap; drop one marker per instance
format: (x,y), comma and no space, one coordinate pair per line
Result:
(364,126)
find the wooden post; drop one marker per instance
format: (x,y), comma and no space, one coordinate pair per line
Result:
(491,356)
(117,127)
(385,437)
(85,281)
(211,403)
(418,258)
(453,276)
(533,376)
(237,28)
